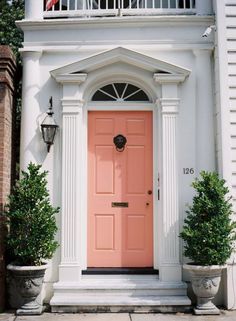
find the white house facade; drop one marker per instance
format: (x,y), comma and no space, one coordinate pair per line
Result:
(138,73)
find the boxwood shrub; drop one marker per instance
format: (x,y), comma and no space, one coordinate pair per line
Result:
(209,232)
(31,219)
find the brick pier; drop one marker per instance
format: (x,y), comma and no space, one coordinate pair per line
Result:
(7,70)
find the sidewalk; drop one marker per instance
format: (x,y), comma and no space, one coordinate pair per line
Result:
(225,316)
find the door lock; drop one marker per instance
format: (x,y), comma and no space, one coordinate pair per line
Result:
(149,192)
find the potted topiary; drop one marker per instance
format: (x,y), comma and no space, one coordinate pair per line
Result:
(209,236)
(30,241)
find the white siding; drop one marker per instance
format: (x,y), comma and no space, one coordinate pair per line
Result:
(230,14)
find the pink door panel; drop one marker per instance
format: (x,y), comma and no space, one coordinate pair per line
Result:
(120,236)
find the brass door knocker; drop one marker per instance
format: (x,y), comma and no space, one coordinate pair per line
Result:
(120,142)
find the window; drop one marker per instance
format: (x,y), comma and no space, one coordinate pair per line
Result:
(120,92)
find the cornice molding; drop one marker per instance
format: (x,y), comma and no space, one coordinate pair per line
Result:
(70,78)
(77,46)
(164,20)
(169,78)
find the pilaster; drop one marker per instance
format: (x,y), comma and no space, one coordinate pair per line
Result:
(204,7)
(170,268)
(69,267)
(33,9)
(221,65)
(204,112)
(30,108)
(72,108)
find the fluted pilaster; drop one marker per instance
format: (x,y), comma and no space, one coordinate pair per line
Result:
(169,266)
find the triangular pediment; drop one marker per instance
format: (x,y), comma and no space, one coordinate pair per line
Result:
(119,55)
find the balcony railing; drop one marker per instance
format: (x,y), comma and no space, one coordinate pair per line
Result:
(97,8)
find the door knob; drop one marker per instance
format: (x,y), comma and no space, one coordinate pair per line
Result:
(147,204)
(149,192)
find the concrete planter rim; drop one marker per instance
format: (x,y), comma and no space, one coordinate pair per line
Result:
(195,267)
(13,267)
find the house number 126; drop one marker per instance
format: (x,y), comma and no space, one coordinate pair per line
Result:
(188,171)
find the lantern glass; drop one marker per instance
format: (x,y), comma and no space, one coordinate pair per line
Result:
(49,132)
(49,127)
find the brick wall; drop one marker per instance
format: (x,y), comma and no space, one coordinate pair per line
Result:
(7,70)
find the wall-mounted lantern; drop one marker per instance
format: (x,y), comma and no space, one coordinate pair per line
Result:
(49,127)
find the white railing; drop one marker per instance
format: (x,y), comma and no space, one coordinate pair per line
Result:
(88,8)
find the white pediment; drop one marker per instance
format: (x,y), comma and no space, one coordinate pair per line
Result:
(76,72)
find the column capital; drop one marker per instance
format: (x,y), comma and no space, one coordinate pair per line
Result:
(71,106)
(36,54)
(202,52)
(169,105)
(72,94)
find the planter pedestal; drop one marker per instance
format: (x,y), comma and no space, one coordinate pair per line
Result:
(206,307)
(205,282)
(30,310)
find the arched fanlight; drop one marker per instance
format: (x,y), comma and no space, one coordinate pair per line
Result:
(120,92)
(49,127)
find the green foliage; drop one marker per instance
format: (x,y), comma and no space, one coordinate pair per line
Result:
(10,11)
(32,224)
(209,233)
(3,3)
(9,33)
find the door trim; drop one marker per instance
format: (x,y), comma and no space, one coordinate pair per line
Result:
(75,93)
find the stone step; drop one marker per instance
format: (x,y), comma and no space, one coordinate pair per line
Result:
(126,287)
(120,303)
(130,277)
(120,293)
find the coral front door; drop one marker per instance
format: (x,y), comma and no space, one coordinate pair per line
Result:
(120,200)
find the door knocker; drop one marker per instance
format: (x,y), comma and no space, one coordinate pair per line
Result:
(120,142)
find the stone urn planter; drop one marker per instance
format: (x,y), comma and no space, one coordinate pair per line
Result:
(30,240)
(27,280)
(209,236)
(205,283)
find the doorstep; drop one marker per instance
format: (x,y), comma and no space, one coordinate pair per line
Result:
(120,293)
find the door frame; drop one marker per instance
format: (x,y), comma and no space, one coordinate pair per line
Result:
(161,80)
(124,106)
